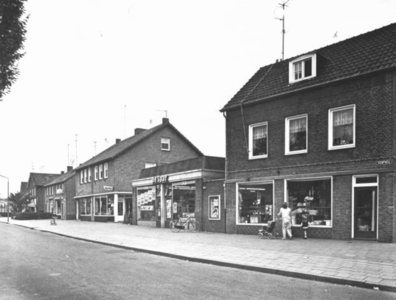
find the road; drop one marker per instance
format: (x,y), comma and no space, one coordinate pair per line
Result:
(38,265)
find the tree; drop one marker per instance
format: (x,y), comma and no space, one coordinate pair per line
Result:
(19,201)
(12,35)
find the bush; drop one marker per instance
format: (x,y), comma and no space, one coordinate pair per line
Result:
(33,216)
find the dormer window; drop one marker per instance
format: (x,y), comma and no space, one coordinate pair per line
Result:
(302,68)
(165,144)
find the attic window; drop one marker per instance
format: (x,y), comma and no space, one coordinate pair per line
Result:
(302,68)
(165,144)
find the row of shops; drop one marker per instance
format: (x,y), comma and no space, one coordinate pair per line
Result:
(337,206)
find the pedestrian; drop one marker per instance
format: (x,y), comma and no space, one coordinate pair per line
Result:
(285,214)
(304,223)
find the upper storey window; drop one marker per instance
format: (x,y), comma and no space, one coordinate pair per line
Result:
(258,140)
(302,68)
(342,127)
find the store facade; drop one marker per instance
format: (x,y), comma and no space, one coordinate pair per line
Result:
(179,190)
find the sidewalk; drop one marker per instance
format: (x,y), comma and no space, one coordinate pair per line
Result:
(355,263)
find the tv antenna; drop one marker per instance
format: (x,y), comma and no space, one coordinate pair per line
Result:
(283,6)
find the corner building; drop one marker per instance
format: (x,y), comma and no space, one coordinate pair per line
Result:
(317,131)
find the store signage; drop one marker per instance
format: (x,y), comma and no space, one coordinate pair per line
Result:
(161,179)
(186,182)
(147,207)
(107,188)
(384,162)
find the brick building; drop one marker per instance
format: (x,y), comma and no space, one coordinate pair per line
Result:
(59,194)
(36,189)
(317,131)
(186,188)
(103,183)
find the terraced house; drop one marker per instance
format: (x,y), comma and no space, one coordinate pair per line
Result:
(59,195)
(36,189)
(103,183)
(317,131)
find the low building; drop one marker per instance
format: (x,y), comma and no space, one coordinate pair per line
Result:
(187,188)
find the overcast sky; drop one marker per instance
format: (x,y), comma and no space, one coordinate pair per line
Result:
(95,70)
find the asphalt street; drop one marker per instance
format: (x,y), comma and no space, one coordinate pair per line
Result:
(39,265)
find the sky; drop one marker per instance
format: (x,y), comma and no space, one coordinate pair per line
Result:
(94,70)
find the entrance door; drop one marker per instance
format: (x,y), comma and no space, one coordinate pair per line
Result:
(120,209)
(365,213)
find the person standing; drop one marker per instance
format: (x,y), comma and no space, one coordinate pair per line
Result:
(285,214)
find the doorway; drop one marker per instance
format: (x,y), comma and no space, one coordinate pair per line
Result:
(365,213)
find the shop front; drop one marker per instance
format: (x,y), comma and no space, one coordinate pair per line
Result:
(176,190)
(102,207)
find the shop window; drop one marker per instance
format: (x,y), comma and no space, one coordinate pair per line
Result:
(165,144)
(146,204)
(296,137)
(104,206)
(258,140)
(183,200)
(342,127)
(311,198)
(302,68)
(85,207)
(214,207)
(255,203)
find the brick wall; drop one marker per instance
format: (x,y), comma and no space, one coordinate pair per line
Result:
(70,192)
(213,188)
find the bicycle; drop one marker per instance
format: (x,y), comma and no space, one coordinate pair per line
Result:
(188,223)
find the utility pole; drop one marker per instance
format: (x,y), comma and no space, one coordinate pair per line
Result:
(76,152)
(8,197)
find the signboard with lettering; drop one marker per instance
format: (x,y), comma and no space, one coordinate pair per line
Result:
(147,207)
(107,188)
(160,179)
(384,162)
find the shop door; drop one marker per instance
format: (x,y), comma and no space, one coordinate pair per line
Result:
(365,213)
(120,210)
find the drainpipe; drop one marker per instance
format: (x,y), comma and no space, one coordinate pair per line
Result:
(225,175)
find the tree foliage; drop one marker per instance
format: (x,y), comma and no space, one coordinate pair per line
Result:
(12,36)
(19,201)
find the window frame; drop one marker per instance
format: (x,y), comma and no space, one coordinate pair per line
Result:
(287,135)
(105,170)
(210,212)
(251,127)
(302,60)
(89,175)
(96,171)
(238,208)
(330,127)
(309,179)
(165,141)
(100,171)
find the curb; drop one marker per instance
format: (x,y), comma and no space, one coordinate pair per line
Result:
(319,278)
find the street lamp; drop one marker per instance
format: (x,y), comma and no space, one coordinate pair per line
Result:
(8,197)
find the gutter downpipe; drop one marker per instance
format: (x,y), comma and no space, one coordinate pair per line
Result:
(225,177)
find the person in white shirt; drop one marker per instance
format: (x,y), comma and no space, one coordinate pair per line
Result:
(285,214)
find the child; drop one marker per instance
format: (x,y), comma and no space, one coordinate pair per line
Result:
(304,223)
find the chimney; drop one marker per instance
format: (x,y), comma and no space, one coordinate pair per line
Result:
(69,168)
(139,130)
(165,121)
(118,140)
(62,172)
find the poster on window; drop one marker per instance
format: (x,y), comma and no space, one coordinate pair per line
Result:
(214,207)
(169,209)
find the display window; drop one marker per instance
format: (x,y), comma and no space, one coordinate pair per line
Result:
(104,205)
(255,203)
(311,199)
(183,195)
(85,207)
(146,203)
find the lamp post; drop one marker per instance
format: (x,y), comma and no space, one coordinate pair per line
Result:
(8,198)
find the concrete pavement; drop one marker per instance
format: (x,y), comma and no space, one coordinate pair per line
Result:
(356,263)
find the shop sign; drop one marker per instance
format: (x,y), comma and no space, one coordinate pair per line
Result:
(59,191)
(107,188)
(147,207)
(186,182)
(384,162)
(160,179)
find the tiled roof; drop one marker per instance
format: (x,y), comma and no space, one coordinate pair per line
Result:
(62,178)
(125,145)
(365,53)
(41,179)
(198,163)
